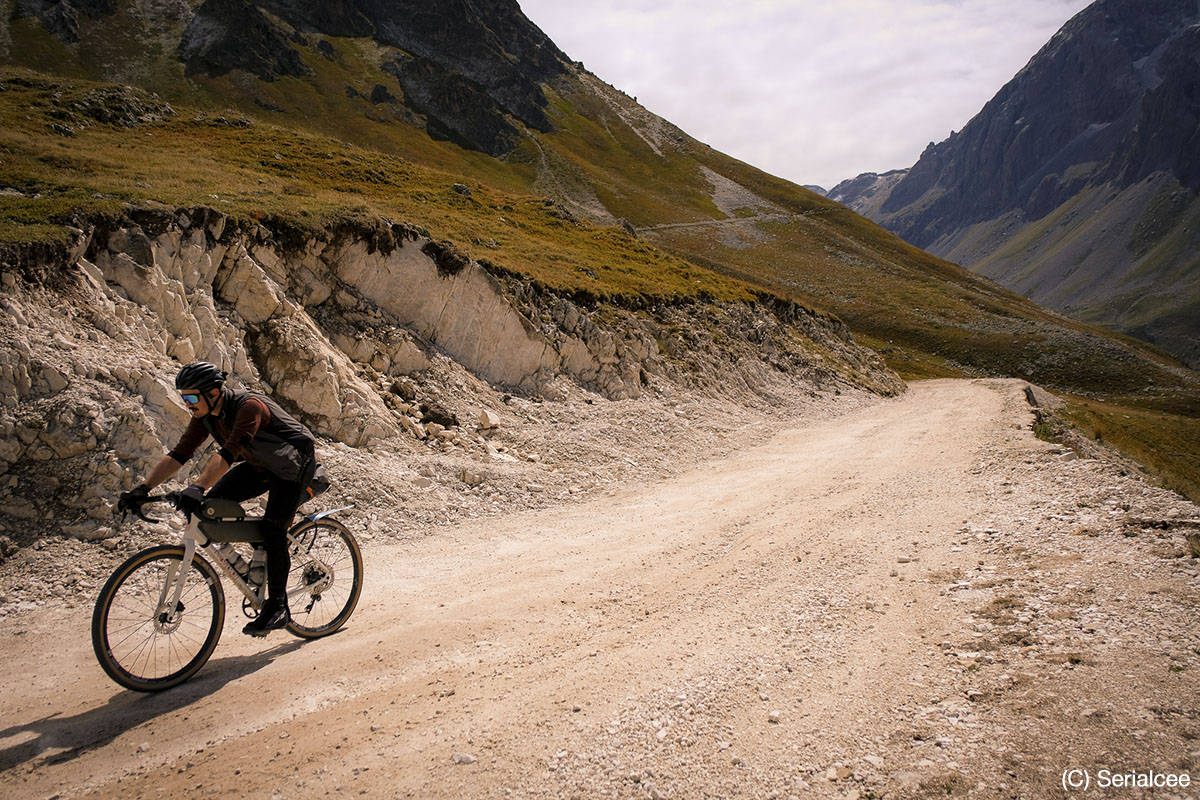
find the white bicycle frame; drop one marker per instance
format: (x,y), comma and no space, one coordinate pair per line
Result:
(193,538)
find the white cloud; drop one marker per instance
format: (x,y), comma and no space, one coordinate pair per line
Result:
(812,91)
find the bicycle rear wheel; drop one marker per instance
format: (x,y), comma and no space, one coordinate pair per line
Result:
(325,580)
(140,643)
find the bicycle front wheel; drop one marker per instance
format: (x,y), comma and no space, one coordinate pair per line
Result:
(140,641)
(325,580)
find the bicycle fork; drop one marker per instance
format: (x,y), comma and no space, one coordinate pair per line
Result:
(170,605)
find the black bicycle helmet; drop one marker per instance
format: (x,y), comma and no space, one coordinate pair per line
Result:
(200,376)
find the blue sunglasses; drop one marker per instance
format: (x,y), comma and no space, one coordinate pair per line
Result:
(191,399)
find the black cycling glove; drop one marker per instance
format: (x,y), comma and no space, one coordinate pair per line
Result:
(133,499)
(190,500)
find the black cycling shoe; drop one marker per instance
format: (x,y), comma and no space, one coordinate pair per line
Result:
(274,615)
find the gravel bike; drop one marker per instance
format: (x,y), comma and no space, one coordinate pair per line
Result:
(159,616)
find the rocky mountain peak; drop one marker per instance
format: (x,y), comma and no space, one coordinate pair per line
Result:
(61,17)
(472,69)
(1072,105)
(225,35)
(864,193)
(465,65)
(1077,184)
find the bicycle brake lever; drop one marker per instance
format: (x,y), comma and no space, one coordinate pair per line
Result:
(139,512)
(144,517)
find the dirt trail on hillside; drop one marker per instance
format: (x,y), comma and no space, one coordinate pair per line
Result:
(916,598)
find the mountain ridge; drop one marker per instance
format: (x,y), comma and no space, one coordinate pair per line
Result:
(1108,107)
(466,67)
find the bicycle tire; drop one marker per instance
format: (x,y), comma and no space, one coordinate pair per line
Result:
(139,648)
(325,580)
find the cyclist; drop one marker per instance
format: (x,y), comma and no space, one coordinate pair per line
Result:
(262,449)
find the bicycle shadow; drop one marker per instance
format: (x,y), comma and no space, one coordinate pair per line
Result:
(78,734)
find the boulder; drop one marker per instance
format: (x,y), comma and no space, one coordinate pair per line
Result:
(438,414)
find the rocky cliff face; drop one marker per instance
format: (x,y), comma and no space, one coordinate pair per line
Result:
(1105,117)
(465,65)
(338,327)
(225,35)
(1166,136)
(472,70)
(61,18)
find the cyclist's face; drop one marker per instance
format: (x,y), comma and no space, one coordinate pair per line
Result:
(195,401)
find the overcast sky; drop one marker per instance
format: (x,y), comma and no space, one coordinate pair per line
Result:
(811,90)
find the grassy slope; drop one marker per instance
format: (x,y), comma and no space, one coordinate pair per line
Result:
(250,169)
(1162,442)
(928,317)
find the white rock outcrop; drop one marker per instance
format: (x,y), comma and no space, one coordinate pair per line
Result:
(330,325)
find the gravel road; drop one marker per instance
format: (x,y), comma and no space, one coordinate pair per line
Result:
(916,598)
